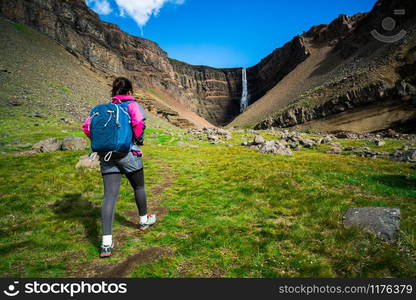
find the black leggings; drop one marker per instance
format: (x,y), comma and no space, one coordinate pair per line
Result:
(111,190)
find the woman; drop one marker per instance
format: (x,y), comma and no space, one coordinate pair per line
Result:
(131,165)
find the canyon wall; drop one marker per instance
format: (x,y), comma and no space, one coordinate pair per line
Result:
(361,72)
(212,93)
(266,74)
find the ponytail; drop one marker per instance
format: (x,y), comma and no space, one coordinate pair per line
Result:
(121,86)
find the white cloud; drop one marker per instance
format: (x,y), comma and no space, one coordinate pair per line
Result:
(101,7)
(142,10)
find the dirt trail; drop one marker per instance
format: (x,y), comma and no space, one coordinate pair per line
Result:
(125,267)
(289,88)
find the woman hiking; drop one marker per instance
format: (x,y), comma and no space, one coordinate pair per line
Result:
(114,164)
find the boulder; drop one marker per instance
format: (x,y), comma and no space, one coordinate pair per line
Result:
(346,135)
(74,143)
(379,142)
(258,139)
(364,152)
(48,145)
(85,161)
(392,133)
(326,140)
(273,147)
(384,222)
(307,143)
(213,138)
(406,156)
(335,150)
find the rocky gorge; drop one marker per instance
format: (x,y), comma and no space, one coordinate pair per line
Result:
(346,78)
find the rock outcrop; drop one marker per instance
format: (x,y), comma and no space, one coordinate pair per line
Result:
(214,93)
(384,222)
(266,74)
(361,73)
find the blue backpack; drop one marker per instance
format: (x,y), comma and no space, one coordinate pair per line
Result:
(110,129)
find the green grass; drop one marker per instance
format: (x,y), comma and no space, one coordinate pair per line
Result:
(21,27)
(240,213)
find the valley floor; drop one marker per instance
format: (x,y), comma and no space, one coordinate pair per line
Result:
(224,212)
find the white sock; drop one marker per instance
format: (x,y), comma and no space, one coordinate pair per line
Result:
(107,240)
(143,219)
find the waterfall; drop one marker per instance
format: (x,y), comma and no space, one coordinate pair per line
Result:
(244,97)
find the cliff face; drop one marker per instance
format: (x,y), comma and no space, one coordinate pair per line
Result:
(272,69)
(212,93)
(72,24)
(360,74)
(266,74)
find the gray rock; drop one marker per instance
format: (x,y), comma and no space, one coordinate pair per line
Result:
(86,162)
(293,145)
(74,143)
(346,135)
(335,150)
(364,152)
(307,143)
(406,156)
(258,139)
(48,145)
(379,142)
(318,141)
(273,147)
(326,140)
(383,222)
(213,138)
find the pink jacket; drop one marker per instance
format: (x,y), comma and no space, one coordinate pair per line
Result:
(136,113)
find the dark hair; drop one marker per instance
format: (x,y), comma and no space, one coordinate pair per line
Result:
(121,86)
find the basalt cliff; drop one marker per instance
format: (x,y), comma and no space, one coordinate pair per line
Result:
(212,93)
(359,76)
(328,70)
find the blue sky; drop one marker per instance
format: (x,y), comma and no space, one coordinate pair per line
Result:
(222,33)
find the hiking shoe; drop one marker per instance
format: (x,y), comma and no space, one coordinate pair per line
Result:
(106,251)
(151,220)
